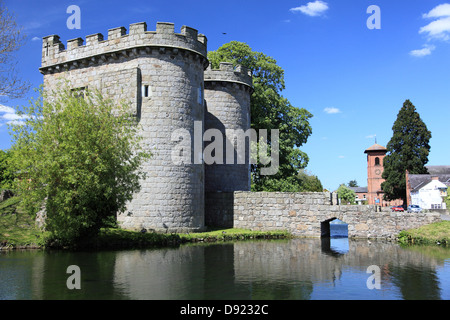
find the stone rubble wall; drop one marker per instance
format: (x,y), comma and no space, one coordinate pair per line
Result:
(304,215)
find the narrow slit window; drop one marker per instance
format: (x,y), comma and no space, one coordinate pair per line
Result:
(146,91)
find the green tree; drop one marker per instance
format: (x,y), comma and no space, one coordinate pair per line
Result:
(353,183)
(408,149)
(346,195)
(6,172)
(81,157)
(309,182)
(270,110)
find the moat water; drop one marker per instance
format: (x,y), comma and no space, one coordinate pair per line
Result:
(298,269)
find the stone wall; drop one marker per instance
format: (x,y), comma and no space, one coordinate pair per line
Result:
(309,214)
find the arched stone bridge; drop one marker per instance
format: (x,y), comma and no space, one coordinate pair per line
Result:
(309,214)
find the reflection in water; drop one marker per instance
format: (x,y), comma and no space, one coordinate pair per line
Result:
(295,269)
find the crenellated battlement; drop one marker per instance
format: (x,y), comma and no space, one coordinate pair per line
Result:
(56,56)
(227,73)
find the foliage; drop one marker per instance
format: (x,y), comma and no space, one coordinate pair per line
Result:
(17,229)
(346,195)
(270,110)
(82,156)
(12,39)
(309,182)
(233,234)
(408,149)
(435,233)
(6,172)
(353,183)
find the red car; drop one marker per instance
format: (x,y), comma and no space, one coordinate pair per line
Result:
(398,209)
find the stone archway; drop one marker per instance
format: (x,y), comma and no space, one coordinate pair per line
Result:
(326,230)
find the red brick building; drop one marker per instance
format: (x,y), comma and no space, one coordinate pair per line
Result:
(373,194)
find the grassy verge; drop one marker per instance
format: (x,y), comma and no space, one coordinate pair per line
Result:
(18,230)
(435,233)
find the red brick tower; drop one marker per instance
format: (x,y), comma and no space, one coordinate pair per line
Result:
(375,156)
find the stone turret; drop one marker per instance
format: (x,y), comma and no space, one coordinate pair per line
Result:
(227,94)
(160,73)
(164,76)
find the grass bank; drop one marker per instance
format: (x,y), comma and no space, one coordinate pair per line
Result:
(435,233)
(18,231)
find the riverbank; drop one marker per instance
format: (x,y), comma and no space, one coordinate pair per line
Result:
(433,234)
(18,231)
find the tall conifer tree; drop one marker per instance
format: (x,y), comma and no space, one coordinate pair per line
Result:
(408,149)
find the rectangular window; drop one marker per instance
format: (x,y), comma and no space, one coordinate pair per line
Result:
(145,91)
(200,95)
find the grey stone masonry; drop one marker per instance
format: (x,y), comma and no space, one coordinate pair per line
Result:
(160,75)
(55,56)
(309,214)
(227,95)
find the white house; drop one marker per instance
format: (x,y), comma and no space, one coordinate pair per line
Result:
(429,191)
(430,195)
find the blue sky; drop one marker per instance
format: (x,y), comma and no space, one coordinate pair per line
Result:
(353,79)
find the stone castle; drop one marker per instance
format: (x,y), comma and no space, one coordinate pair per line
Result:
(166,79)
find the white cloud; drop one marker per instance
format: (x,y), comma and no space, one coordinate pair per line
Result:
(312,9)
(341,157)
(6,109)
(13,116)
(438,29)
(332,110)
(422,52)
(442,10)
(371,136)
(9,116)
(35,39)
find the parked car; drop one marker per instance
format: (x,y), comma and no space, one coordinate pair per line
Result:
(414,208)
(398,209)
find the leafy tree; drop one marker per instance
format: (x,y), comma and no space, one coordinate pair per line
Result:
(345,194)
(408,149)
(270,110)
(353,183)
(11,39)
(309,182)
(82,156)
(6,172)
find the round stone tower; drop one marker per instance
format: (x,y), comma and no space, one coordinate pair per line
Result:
(227,96)
(160,73)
